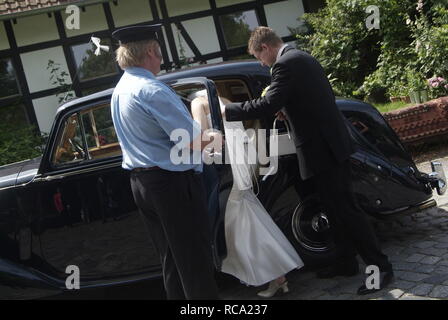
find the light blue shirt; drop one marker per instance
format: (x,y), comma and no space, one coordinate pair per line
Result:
(145,111)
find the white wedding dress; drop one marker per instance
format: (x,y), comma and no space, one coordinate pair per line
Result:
(257,250)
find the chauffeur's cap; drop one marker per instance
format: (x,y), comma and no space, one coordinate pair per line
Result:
(137,33)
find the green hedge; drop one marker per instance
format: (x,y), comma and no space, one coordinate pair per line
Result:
(17,144)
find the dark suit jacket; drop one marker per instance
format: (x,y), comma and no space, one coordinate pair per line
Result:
(299,84)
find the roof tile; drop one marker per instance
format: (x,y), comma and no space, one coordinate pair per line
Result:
(12,6)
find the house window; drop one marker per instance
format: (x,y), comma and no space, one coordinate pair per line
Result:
(237,27)
(91,66)
(9,86)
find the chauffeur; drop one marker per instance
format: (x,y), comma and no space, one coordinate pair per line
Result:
(170,197)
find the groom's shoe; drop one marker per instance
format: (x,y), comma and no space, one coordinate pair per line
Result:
(347,268)
(386,278)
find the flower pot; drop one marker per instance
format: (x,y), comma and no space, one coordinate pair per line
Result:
(415,97)
(423,96)
(406,99)
(395,99)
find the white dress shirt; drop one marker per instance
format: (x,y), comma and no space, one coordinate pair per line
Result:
(280,52)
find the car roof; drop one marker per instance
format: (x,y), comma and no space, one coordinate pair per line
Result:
(220,69)
(217,70)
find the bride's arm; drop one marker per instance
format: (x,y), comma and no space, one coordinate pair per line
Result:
(198,107)
(223,103)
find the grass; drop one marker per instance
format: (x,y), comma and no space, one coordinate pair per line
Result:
(386,107)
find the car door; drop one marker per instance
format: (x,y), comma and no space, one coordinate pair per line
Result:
(86,215)
(217,175)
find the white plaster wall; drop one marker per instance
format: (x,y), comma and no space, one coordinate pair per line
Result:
(35,29)
(180,42)
(284,14)
(203,33)
(129,12)
(35,65)
(176,7)
(45,109)
(93,19)
(4,44)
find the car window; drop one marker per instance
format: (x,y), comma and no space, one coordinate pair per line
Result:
(87,135)
(378,135)
(99,132)
(194,96)
(236,90)
(69,148)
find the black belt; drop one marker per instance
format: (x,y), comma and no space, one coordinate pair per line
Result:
(191,171)
(146,169)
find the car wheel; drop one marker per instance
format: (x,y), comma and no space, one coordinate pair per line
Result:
(310,233)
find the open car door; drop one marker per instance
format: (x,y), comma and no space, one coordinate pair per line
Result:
(217,176)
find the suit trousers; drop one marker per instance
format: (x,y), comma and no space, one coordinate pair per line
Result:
(352,229)
(174,208)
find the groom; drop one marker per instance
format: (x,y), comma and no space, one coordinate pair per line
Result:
(323,146)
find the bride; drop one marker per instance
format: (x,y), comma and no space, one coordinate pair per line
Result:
(257,250)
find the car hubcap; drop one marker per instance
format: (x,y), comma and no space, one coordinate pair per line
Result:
(311,226)
(320,222)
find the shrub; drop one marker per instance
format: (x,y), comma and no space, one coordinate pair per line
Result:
(342,43)
(373,64)
(17,144)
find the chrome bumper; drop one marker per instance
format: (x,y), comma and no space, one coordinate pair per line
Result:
(437,177)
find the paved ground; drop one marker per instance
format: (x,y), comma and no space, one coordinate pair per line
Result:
(417,245)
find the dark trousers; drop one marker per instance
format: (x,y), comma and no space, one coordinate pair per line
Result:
(174,208)
(352,229)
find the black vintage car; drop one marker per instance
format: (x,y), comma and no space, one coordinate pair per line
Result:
(73,206)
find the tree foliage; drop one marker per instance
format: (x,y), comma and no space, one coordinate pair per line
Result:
(372,63)
(93,66)
(236,29)
(19,143)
